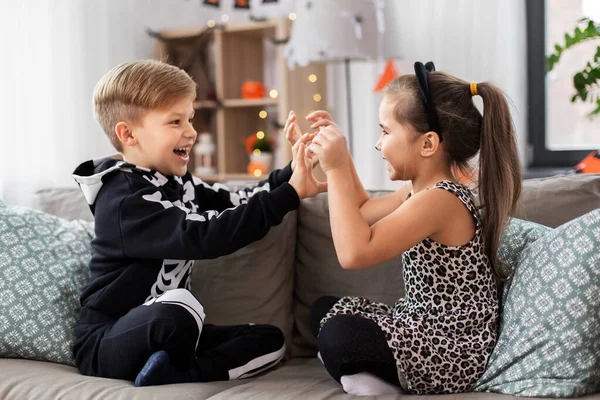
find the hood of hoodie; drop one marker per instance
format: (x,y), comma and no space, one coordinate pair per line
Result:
(90,174)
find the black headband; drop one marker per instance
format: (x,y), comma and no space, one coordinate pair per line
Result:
(422,73)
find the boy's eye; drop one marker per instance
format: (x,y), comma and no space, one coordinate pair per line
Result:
(191,120)
(176,122)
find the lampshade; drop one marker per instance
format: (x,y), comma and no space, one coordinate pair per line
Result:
(330,30)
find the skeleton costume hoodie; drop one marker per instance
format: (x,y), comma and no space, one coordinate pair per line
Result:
(150,228)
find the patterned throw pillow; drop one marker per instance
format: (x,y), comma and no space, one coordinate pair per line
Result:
(43,266)
(519,234)
(549,342)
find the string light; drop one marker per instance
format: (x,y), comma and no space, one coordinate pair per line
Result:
(262,114)
(273,93)
(256,152)
(257,172)
(211,23)
(225,18)
(292,16)
(317,97)
(312,78)
(260,135)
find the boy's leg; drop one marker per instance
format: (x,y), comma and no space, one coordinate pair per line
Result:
(172,322)
(238,351)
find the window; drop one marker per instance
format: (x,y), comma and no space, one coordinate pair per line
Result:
(560,133)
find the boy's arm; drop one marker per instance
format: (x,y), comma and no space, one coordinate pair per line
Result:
(220,197)
(154,227)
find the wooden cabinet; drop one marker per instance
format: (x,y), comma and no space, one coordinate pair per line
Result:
(233,54)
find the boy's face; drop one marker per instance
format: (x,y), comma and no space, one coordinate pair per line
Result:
(164,139)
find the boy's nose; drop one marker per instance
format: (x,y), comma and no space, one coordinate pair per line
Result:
(191,133)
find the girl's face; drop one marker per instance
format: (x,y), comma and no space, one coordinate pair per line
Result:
(398,143)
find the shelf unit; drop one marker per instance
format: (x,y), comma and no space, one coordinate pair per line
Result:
(243,51)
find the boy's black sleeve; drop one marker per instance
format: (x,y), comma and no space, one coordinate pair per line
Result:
(154,227)
(219,197)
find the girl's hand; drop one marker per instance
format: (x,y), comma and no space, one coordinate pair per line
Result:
(331,148)
(320,118)
(302,180)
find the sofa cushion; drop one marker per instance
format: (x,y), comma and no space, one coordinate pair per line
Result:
(549,342)
(558,199)
(318,272)
(67,203)
(43,266)
(252,285)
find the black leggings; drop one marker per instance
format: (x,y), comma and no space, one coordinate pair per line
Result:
(350,344)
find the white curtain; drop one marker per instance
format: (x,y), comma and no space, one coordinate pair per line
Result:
(53,53)
(473,39)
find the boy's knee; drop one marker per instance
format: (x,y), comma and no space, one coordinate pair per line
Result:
(270,334)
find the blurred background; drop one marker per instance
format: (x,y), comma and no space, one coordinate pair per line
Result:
(256,60)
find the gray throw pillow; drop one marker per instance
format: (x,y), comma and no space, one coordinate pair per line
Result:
(43,267)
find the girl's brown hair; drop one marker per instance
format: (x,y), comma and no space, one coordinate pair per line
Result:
(466,132)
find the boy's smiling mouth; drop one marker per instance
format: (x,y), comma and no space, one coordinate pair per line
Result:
(183,152)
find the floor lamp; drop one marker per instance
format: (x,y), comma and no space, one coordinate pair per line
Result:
(334,31)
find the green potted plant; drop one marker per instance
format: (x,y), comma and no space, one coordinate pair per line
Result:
(587,81)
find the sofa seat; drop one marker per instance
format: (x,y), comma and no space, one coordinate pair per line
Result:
(298,378)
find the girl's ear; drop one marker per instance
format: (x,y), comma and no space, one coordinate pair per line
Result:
(124,132)
(430,144)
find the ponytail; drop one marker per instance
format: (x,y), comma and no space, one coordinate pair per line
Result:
(500,174)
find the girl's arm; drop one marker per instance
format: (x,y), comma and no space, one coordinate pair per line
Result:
(357,244)
(372,210)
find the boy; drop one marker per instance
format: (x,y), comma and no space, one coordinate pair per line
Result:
(139,320)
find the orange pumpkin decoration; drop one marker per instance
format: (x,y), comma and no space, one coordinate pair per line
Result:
(253,90)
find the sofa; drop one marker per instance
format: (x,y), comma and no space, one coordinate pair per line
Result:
(274,281)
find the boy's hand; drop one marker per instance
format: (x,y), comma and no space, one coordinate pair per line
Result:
(304,139)
(293,134)
(302,180)
(331,148)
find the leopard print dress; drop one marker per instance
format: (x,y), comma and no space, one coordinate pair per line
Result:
(444,330)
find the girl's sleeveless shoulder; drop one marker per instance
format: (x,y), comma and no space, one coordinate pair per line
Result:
(463,193)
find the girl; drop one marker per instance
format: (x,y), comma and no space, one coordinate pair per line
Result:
(439,337)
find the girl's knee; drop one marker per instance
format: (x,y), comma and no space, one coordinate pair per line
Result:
(318,310)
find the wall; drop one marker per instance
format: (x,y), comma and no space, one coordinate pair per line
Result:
(57,51)
(473,39)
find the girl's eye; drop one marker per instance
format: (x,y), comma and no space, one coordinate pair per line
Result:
(191,120)
(176,122)
(384,132)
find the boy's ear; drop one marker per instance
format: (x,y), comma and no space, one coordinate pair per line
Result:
(124,132)
(430,144)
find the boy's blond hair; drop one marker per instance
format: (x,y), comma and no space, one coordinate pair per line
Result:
(128,90)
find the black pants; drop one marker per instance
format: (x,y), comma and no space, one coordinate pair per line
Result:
(221,352)
(350,344)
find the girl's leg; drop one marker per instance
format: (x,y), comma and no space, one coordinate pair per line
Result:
(318,310)
(350,345)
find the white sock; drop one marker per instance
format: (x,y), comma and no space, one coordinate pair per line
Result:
(366,384)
